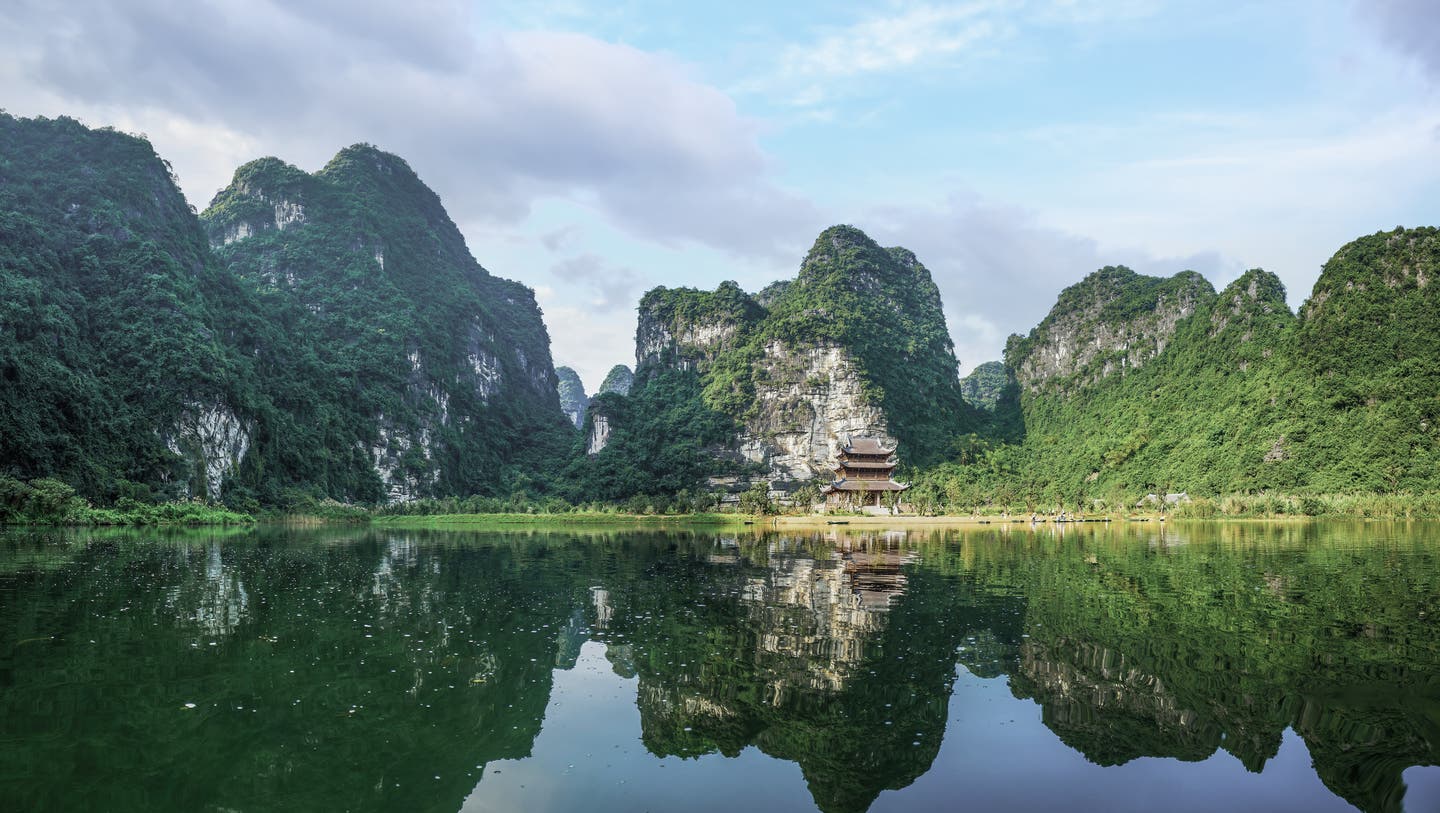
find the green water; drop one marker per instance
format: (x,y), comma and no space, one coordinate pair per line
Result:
(1194,667)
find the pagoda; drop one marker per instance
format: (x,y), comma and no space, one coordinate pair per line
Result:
(863,477)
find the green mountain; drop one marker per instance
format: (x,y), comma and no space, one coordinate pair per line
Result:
(1367,344)
(324,335)
(121,338)
(620,379)
(407,370)
(1135,385)
(329,335)
(774,384)
(984,385)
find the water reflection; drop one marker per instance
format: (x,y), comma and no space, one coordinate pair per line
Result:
(378,670)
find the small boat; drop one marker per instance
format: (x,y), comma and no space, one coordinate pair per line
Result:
(837,522)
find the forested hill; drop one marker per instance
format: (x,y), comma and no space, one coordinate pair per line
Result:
(329,335)
(122,341)
(315,336)
(417,372)
(1135,385)
(774,384)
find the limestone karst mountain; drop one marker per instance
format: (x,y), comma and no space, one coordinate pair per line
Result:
(332,338)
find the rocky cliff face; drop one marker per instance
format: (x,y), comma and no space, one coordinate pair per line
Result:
(856,345)
(1112,322)
(437,374)
(813,402)
(573,399)
(213,441)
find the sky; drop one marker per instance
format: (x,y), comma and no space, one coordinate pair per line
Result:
(595,150)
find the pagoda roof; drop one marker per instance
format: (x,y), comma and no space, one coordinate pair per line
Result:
(845,484)
(866,446)
(865,464)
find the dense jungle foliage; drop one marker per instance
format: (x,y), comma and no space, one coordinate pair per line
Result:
(338,326)
(984,385)
(391,328)
(113,313)
(328,336)
(1246,397)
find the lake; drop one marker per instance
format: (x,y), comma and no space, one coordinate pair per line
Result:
(1189,667)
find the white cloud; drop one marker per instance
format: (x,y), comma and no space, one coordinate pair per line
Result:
(607,287)
(915,36)
(493,120)
(1411,27)
(886,43)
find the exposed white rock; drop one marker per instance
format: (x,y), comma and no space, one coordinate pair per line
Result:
(238,231)
(599,434)
(488,373)
(442,402)
(389,449)
(210,436)
(693,345)
(288,213)
(1076,339)
(810,406)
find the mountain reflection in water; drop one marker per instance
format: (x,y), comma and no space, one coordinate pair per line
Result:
(283,669)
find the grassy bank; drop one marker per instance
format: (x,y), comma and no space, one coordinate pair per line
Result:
(568,518)
(1278,506)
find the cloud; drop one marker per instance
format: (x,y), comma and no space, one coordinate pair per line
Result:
(921,36)
(1411,27)
(562,238)
(611,287)
(1000,270)
(493,120)
(901,40)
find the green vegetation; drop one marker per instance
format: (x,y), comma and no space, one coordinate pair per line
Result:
(619,380)
(113,314)
(984,385)
(1335,409)
(338,342)
(707,357)
(399,352)
(46,501)
(318,342)
(661,446)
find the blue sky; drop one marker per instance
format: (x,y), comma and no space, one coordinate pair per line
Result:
(595,150)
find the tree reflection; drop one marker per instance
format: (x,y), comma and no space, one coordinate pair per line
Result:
(370,670)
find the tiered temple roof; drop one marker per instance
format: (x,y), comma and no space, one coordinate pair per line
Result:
(865,467)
